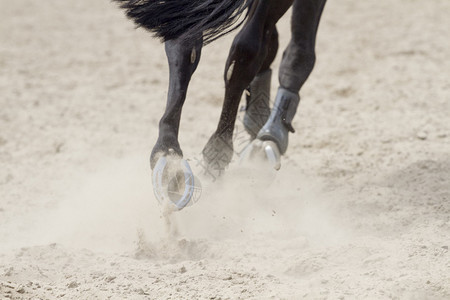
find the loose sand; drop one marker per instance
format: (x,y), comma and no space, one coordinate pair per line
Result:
(359,210)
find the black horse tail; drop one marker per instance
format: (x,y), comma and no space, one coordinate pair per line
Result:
(187,19)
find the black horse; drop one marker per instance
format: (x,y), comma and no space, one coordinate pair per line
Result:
(187,25)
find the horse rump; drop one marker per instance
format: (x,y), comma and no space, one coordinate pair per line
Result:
(187,19)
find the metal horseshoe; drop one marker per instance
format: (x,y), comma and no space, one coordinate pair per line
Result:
(161,190)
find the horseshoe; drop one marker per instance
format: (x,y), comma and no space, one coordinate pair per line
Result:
(273,154)
(267,150)
(161,178)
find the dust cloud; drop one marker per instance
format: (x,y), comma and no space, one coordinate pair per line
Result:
(114,210)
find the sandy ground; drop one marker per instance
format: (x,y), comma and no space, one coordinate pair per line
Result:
(359,210)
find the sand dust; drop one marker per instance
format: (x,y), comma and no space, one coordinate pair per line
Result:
(359,210)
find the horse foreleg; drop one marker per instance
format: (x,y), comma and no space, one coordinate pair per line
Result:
(183,60)
(296,66)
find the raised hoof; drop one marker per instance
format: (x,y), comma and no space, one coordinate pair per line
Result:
(262,151)
(174,184)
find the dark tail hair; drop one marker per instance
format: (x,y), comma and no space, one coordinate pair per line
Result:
(187,19)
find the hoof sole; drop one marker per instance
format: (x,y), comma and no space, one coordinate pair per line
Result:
(174,184)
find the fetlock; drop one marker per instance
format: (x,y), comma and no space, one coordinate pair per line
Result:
(165,147)
(218,152)
(279,124)
(258,103)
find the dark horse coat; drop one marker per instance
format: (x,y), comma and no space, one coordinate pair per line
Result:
(187,25)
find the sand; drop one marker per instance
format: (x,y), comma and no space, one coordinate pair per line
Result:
(359,210)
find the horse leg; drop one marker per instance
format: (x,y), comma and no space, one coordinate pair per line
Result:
(246,57)
(183,60)
(257,108)
(296,65)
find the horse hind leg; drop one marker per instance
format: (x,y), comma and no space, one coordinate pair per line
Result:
(257,108)
(296,66)
(247,55)
(183,60)
(172,176)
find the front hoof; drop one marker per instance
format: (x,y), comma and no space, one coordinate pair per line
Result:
(218,153)
(262,151)
(174,184)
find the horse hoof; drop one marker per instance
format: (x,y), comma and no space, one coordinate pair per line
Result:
(174,184)
(266,151)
